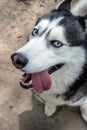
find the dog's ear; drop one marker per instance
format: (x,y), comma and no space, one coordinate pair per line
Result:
(64,5)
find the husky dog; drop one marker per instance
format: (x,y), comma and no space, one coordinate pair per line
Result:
(55,60)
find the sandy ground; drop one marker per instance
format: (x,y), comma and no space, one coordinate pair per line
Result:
(18,110)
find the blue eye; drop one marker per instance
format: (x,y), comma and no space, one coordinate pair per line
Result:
(35,32)
(56,44)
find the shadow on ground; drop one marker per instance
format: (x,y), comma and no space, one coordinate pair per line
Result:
(64,119)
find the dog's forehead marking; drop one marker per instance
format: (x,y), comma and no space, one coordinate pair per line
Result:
(43,24)
(52,30)
(55,22)
(46,24)
(58,34)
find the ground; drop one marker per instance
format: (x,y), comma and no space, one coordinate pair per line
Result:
(18,109)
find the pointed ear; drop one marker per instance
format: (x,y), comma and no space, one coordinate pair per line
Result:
(64,5)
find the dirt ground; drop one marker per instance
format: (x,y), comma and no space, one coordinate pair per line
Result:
(18,110)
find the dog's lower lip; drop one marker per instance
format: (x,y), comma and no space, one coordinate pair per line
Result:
(25,81)
(25,86)
(55,68)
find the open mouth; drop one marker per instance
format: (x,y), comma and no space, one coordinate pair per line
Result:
(40,81)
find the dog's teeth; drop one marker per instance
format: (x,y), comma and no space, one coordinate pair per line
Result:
(27,84)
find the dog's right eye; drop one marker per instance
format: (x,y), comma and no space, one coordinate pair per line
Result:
(35,32)
(56,44)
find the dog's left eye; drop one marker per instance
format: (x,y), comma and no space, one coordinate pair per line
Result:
(56,43)
(35,32)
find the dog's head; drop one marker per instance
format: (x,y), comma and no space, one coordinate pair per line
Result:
(55,41)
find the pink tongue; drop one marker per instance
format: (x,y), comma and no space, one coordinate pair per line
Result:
(41,81)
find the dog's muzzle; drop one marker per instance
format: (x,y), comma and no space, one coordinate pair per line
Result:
(40,81)
(19,60)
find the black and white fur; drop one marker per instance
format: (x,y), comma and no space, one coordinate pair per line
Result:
(69,83)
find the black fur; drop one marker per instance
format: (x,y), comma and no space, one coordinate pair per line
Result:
(74,30)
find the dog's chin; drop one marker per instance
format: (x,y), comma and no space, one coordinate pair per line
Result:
(40,81)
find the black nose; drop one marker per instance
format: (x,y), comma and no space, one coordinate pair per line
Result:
(19,60)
